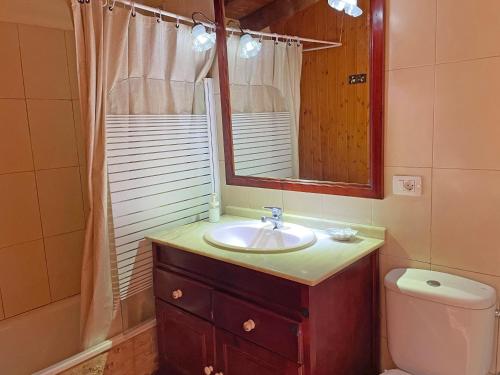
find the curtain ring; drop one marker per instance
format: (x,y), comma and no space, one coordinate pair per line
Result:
(112,5)
(81,1)
(298,41)
(158,18)
(132,9)
(105,3)
(177,23)
(276,40)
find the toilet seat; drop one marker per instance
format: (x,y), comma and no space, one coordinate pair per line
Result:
(395,372)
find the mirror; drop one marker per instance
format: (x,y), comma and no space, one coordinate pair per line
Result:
(302,91)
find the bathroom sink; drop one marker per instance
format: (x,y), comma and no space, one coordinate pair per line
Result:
(260,237)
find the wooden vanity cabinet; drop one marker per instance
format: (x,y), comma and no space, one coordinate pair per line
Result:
(217,318)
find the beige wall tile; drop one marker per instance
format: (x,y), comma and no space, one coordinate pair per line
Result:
(54,13)
(465,216)
(69,37)
(486,279)
(64,263)
(60,196)
(467,30)
(351,210)
(19,213)
(2,315)
(79,132)
(235,195)
(52,133)
(259,198)
(55,325)
(407,219)
(304,204)
(11,76)
(45,68)
(409,117)
(410,33)
(15,146)
(23,277)
(467,134)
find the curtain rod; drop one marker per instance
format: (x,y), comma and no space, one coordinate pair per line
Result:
(161,12)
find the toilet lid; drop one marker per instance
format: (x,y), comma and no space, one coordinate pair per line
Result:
(395,372)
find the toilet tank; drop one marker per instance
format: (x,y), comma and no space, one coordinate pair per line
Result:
(439,324)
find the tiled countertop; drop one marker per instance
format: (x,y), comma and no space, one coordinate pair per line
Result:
(309,266)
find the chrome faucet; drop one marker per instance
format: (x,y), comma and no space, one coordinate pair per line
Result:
(276,219)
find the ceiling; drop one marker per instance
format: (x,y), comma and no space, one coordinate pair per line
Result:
(238,9)
(259,14)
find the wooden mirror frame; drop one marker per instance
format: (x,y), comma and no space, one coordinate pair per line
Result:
(374,189)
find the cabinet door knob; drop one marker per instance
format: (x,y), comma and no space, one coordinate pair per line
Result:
(176,294)
(249,325)
(208,370)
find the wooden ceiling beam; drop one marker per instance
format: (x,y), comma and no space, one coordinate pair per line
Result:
(274,12)
(237,9)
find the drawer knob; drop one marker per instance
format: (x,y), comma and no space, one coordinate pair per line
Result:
(249,325)
(208,370)
(176,294)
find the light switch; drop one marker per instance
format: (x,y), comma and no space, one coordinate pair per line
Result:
(407,185)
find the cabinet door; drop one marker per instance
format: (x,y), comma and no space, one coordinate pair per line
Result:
(237,356)
(185,342)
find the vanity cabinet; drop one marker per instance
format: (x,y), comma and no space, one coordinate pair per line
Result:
(219,318)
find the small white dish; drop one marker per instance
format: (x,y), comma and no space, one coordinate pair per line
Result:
(342,234)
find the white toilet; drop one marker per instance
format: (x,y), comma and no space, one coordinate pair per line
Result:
(439,324)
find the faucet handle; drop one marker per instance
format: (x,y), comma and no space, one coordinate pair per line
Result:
(276,211)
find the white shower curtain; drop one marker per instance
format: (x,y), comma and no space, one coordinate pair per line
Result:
(126,65)
(269,82)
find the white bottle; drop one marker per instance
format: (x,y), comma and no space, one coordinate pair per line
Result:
(213,209)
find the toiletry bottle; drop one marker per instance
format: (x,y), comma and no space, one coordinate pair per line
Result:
(213,209)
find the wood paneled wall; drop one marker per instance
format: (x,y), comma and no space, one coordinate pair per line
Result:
(334,118)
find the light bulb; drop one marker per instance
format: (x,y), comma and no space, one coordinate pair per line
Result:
(350,7)
(337,4)
(353,10)
(249,47)
(202,40)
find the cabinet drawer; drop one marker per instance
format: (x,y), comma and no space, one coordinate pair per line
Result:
(263,327)
(187,294)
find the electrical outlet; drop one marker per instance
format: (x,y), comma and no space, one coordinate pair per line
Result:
(407,185)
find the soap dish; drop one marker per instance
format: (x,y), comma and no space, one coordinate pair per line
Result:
(342,234)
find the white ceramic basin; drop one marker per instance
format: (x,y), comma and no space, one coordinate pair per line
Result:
(260,237)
